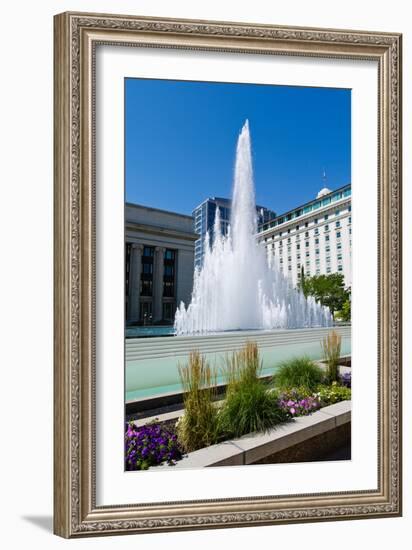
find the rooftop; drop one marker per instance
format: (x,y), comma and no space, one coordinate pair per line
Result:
(324,198)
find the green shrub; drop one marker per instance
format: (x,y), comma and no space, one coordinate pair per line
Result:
(198,426)
(328,395)
(331,345)
(249,406)
(298,372)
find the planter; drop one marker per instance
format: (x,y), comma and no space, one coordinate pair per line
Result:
(332,421)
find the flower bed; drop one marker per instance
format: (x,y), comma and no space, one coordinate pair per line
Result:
(150,445)
(251,405)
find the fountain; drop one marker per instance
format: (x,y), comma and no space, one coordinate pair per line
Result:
(240,286)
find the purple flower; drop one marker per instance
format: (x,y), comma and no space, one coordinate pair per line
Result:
(150,445)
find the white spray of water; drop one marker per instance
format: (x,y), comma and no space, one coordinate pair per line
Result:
(240,286)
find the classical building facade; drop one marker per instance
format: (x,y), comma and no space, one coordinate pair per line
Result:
(316,236)
(159,258)
(204,219)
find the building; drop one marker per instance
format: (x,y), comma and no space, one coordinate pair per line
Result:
(204,218)
(316,236)
(159,256)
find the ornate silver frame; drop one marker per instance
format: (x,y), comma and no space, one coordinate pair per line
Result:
(75,38)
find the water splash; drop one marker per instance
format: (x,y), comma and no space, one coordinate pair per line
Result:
(240,286)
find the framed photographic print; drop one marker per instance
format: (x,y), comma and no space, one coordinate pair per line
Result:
(227,255)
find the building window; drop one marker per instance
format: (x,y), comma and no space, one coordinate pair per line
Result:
(148,251)
(316,241)
(298,256)
(337,224)
(318,272)
(326,217)
(298,266)
(147,268)
(315,220)
(339,246)
(146,288)
(326,227)
(289,258)
(306,233)
(306,224)
(297,228)
(289,268)
(280,243)
(327,248)
(328,259)
(298,247)
(328,269)
(168,289)
(327,238)
(317,231)
(339,257)
(146,277)
(169,273)
(168,311)
(338,234)
(307,244)
(307,254)
(337,212)
(280,251)
(350,219)
(340,267)
(317,261)
(317,252)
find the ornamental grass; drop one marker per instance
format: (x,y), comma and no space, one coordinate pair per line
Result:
(331,346)
(198,426)
(248,406)
(298,372)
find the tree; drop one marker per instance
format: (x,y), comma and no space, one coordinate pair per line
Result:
(329,290)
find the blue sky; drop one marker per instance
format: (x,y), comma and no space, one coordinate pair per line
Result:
(181,139)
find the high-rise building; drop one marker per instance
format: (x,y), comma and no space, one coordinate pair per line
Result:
(316,236)
(204,218)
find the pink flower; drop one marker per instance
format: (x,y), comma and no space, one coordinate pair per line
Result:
(292,410)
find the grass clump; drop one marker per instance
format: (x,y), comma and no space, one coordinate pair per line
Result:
(249,405)
(331,345)
(298,372)
(197,427)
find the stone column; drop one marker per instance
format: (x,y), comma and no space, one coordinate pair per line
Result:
(134,282)
(158,283)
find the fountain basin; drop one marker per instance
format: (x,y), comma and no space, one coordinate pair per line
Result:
(152,363)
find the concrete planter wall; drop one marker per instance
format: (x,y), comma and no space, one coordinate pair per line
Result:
(255,448)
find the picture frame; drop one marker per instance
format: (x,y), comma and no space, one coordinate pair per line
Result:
(76,510)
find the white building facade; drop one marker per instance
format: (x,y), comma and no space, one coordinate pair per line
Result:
(316,236)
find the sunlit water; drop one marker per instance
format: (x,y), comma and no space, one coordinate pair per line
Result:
(240,286)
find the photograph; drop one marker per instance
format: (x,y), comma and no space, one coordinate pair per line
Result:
(237,274)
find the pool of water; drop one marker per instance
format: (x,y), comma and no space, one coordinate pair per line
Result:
(152,364)
(147,332)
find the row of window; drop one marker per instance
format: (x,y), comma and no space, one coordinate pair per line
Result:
(307,233)
(317,270)
(307,209)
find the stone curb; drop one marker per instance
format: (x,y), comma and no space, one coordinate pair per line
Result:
(253,447)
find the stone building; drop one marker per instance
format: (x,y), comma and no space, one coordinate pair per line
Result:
(159,259)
